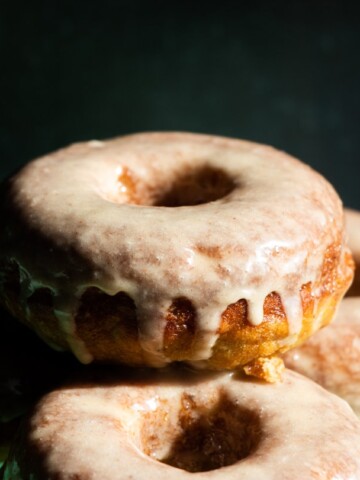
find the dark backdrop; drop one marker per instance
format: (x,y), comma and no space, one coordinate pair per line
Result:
(283,73)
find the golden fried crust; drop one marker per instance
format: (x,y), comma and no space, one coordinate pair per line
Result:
(108,324)
(179,334)
(270,369)
(239,342)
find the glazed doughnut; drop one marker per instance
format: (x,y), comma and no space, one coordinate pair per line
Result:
(188,425)
(332,356)
(164,247)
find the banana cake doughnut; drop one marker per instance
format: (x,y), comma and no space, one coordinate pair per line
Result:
(164,247)
(182,425)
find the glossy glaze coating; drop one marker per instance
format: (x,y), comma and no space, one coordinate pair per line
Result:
(140,428)
(121,215)
(332,356)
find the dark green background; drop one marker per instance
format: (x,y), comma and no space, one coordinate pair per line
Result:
(284,73)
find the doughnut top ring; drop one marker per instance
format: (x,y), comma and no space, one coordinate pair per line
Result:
(161,247)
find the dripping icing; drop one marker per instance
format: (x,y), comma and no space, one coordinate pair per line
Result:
(264,245)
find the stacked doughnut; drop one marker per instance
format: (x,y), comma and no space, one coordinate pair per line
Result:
(332,356)
(167,248)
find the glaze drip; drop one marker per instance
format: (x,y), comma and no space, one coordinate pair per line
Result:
(267,232)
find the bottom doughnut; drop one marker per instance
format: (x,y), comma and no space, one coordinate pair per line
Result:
(331,357)
(180,425)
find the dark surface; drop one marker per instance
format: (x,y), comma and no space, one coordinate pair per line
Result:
(284,73)
(28,368)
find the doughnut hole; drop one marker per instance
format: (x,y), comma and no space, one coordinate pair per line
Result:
(108,326)
(190,186)
(196,187)
(204,436)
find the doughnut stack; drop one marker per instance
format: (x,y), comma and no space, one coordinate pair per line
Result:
(332,356)
(181,266)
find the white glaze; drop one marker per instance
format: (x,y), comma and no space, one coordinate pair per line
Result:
(332,356)
(271,231)
(95,431)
